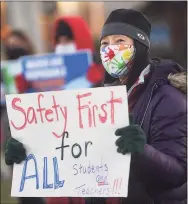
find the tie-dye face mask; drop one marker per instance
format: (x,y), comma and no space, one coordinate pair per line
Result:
(117,59)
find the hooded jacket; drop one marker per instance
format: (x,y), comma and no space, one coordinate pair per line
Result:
(161,112)
(83,40)
(158,175)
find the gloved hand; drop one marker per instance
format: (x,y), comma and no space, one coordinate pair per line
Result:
(14,152)
(132,138)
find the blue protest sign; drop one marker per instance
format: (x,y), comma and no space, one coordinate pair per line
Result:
(49,67)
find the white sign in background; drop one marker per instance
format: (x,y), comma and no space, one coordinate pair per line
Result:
(82,162)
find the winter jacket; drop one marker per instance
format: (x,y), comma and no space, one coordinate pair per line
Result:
(158,175)
(161,112)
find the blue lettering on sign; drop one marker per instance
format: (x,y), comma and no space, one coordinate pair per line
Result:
(56,66)
(57,182)
(24,177)
(45,175)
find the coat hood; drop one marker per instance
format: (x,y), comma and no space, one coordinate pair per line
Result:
(170,71)
(80,30)
(179,81)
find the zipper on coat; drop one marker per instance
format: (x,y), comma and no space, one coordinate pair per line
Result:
(152,202)
(152,91)
(121,201)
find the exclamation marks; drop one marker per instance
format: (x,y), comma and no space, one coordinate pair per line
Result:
(117,186)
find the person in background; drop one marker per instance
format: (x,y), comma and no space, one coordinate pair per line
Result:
(17,44)
(72,34)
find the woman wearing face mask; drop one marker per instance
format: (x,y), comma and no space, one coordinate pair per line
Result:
(17,45)
(158,142)
(72,34)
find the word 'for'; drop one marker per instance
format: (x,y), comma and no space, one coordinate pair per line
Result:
(74,146)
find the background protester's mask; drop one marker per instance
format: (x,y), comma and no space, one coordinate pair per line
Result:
(14,53)
(66,48)
(117,59)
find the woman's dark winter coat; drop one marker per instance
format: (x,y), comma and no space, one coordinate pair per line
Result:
(158,175)
(161,112)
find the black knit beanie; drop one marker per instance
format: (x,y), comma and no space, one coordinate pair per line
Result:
(130,23)
(63,29)
(134,25)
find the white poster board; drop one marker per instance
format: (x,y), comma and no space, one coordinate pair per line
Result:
(70,142)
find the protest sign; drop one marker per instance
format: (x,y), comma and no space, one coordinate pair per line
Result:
(53,71)
(70,142)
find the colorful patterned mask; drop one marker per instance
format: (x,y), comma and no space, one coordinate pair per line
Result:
(117,59)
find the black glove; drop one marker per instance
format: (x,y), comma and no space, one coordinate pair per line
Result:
(14,152)
(132,139)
